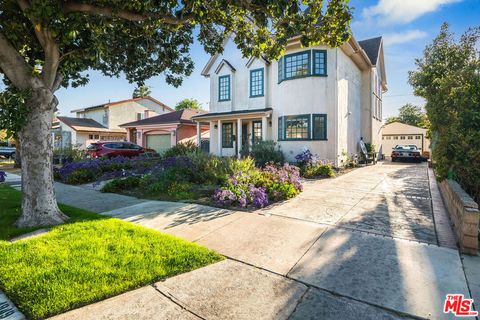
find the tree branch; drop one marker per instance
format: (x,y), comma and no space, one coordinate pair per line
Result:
(49,45)
(72,7)
(14,65)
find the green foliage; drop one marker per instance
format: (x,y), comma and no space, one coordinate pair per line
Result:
(370,147)
(181,149)
(141,91)
(70,153)
(142,39)
(188,104)
(81,176)
(81,263)
(117,185)
(180,190)
(317,170)
(13,112)
(266,151)
(448,78)
(412,115)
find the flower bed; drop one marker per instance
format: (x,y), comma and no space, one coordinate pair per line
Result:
(313,167)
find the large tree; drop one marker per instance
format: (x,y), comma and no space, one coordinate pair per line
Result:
(48,44)
(412,115)
(141,91)
(448,77)
(188,104)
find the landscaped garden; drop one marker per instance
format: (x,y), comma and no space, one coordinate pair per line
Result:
(86,260)
(185,173)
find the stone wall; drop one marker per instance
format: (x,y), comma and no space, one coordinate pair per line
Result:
(464,214)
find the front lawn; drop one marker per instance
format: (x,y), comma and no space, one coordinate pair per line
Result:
(10,211)
(79,263)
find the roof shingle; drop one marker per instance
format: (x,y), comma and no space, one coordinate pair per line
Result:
(372,48)
(182,116)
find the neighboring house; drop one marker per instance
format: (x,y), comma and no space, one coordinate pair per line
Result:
(102,122)
(399,133)
(166,130)
(320,98)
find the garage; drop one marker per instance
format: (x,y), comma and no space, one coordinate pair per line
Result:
(159,142)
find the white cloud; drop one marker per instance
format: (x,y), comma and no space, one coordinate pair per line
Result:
(402,37)
(403,11)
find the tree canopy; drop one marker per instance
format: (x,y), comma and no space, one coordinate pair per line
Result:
(448,77)
(188,104)
(45,45)
(412,115)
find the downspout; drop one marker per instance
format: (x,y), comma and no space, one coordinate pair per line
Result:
(337,160)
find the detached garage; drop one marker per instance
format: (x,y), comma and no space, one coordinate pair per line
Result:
(166,130)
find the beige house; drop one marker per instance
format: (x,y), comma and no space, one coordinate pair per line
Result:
(102,122)
(321,98)
(400,133)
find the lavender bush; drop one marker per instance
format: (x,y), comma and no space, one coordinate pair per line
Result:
(3,175)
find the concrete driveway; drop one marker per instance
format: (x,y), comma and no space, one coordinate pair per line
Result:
(360,246)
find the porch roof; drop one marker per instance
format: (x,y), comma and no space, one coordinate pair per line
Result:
(233,114)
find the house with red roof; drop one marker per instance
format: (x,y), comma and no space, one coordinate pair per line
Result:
(166,130)
(102,122)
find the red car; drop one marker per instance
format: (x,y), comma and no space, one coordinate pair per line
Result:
(112,149)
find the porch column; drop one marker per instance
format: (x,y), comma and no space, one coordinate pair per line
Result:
(239,137)
(264,128)
(199,135)
(219,137)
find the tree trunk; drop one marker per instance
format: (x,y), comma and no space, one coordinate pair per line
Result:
(18,158)
(39,206)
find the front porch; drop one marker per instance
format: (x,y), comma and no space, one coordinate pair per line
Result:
(234,133)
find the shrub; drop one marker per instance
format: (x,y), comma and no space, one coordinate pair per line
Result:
(80,176)
(116,185)
(180,190)
(181,149)
(266,151)
(257,186)
(317,170)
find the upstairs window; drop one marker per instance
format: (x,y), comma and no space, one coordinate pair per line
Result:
(297,65)
(256,83)
(224,88)
(227,135)
(320,62)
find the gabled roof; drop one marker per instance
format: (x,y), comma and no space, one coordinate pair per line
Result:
(372,48)
(182,116)
(222,63)
(85,124)
(109,104)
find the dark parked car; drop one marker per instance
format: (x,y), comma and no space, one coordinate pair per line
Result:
(112,149)
(7,152)
(406,152)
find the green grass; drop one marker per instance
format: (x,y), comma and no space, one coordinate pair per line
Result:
(10,211)
(79,263)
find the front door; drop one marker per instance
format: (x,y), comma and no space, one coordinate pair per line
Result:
(245,145)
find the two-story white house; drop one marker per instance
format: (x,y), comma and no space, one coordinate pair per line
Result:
(320,98)
(102,122)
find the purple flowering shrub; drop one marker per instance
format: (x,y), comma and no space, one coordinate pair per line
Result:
(90,170)
(3,175)
(311,166)
(259,187)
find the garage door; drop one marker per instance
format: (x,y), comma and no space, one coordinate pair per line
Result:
(159,142)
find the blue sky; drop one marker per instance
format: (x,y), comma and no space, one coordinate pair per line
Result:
(406,25)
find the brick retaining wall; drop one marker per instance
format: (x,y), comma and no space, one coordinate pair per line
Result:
(464,214)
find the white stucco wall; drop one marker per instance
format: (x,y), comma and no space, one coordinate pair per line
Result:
(349,116)
(95,114)
(240,81)
(344,95)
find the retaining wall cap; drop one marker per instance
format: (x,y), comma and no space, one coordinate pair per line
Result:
(464,197)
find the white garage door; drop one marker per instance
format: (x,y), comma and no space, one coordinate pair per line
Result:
(159,142)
